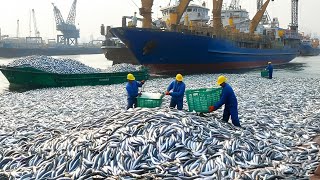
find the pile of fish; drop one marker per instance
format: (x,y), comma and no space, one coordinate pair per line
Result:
(53,65)
(124,67)
(77,133)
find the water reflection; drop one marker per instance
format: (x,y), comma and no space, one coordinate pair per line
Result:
(292,66)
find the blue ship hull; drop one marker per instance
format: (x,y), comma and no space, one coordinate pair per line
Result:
(164,51)
(308,50)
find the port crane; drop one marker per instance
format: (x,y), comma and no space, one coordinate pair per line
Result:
(70,33)
(36,32)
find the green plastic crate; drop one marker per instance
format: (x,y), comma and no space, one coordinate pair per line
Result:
(147,101)
(264,73)
(199,100)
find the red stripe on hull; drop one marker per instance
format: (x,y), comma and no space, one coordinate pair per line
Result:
(207,68)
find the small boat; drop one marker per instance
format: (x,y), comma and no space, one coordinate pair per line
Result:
(31,77)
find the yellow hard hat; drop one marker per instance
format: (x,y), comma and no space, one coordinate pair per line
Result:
(269,62)
(131,77)
(221,79)
(179,77)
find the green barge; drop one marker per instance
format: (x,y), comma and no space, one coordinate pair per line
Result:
(31,77)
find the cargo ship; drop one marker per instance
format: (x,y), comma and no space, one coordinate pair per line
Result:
(194,47)
(19,47)
(309,47)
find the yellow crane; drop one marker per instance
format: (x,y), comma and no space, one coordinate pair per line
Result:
(257,18)
(175,16)
(216,12)
(145,12)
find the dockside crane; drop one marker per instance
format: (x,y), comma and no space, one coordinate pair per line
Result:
(257,18)
(265,18)
(294,15)
(36,32)
(70,33)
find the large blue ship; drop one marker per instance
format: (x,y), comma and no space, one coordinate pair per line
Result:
(165,51)
(200,48)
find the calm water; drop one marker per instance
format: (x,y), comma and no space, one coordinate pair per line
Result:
(299,67)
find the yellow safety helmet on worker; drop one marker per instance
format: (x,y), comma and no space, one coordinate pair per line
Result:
(179,77)
(131,77)
(221,79)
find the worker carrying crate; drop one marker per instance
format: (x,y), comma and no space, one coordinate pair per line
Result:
(176,90)
(133,90)
(229,100)
(267,73)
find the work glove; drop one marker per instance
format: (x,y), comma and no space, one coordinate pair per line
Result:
(167,93)
(143,81)
(211,108)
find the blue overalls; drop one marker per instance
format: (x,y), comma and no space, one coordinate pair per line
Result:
(177,94)
(229,99)
(132,91)
(270,69)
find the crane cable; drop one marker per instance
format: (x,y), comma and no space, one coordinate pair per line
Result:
(135,3)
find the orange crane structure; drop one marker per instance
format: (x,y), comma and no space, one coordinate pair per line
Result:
(176,14)
(257,18)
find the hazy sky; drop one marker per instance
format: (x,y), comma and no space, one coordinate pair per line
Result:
(92,13)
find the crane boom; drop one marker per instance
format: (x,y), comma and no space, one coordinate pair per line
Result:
(216,11)
(177,14)
(145,12)
(72,13)
(257,18)
(58,16)
(36,32)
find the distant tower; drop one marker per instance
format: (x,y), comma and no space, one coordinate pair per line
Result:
(18,28)
(294,15)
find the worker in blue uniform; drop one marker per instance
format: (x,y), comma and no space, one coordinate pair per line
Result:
(229,99)
(178,87)
(132,90)
(269,68)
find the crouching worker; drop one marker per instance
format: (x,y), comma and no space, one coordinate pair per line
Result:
(132,90)
(228,98)
(178,87)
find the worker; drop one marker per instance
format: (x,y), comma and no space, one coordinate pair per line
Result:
(178,87)
(269,68)
(134,20)
(228,98)
(132,90)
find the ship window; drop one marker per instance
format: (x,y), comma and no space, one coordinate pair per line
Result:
(189,10)
(194,10)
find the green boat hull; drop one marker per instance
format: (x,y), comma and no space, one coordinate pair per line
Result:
(30,77)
